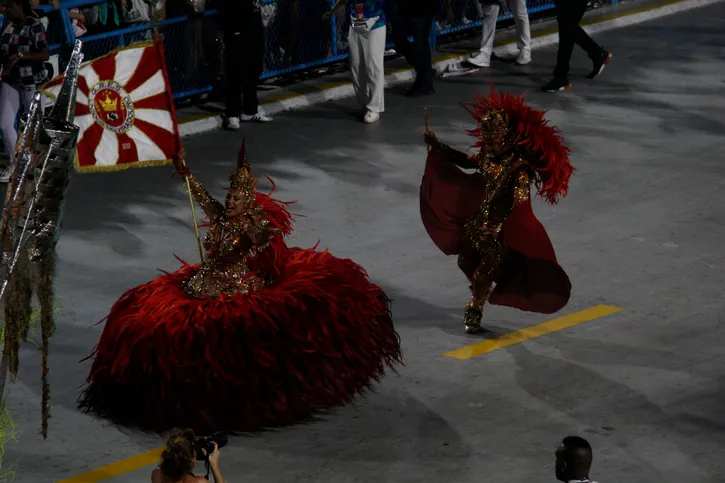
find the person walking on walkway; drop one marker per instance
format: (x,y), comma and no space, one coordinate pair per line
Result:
(569,14)
(491,10)
(244,60)
(366,42)
(415,19)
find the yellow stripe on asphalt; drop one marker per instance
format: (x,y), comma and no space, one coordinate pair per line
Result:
(152,457)
(118,468)
(490,345)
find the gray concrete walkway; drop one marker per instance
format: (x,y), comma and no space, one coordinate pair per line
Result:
(642,229)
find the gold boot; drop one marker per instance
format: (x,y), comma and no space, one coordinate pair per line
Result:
(472,318)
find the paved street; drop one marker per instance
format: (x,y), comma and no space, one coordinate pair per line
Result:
(642,230)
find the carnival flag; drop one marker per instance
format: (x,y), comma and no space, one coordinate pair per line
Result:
(124,110)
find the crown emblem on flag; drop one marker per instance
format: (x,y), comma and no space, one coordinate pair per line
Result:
(108,104)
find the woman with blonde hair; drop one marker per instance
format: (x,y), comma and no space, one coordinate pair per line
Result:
(179,458)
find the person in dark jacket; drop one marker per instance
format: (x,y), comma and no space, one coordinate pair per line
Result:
(415,19)
(244,60)
(569,14)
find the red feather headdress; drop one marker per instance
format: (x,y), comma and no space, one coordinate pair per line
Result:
(529,130)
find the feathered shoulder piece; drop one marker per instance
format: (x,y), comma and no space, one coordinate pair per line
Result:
(531,132)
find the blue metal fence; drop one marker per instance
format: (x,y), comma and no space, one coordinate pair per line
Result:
(297,38)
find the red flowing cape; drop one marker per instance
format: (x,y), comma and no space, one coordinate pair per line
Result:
(530,278)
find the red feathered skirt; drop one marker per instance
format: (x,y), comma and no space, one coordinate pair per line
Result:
(317,336)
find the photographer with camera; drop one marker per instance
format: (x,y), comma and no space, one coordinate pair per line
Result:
(181,453)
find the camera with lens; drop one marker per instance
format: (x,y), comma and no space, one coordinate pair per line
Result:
(207,444)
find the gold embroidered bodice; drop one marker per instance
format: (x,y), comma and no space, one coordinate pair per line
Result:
(507,185)
(229,244)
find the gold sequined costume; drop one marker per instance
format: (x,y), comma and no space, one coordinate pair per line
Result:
(486,218)
(230,242)
(259,334)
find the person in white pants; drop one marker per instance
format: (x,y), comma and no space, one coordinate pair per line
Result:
(366,42)
(491,10)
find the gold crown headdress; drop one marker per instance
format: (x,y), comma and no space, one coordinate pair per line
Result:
(492,121)
(243,180)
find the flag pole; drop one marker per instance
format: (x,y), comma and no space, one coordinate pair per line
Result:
(193,217)
(160,48)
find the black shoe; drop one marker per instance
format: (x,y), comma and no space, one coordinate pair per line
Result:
(556,85)
(599,64)
(420,91)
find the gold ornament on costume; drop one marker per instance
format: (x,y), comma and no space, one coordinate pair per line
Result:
(243,181)
(493,122)
(232,242)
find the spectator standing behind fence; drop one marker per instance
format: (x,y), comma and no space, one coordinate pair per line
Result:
(244,60)
(415,19)
(102,18)
(140,12)
(569,14)
(23,50)
(574,460)
(366,47)
(78,21)
(491,10)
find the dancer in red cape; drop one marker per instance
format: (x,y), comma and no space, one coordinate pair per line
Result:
(486,218)
(258,335)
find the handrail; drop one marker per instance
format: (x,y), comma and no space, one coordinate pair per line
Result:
(187,83)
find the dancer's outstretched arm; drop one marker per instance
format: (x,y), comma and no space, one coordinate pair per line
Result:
(211,207)
(462,160)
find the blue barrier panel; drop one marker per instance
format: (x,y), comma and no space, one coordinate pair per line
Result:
(297,38)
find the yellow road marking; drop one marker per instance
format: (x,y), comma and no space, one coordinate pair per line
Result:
(152,457)
(118,468)
(475,350)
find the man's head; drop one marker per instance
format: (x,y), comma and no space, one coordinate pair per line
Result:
(17,10)
(573,459)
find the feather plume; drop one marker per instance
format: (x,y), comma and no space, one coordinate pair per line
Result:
(547,153)
(242,159)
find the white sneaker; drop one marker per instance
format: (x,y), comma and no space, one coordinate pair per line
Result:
(371,117)
(5,175)
(259,117)
(231,123)
(524,57)
(479,59)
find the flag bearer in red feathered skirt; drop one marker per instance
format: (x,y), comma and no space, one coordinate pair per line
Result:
(258,334)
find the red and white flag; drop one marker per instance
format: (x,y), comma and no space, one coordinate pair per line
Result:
(124,110)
